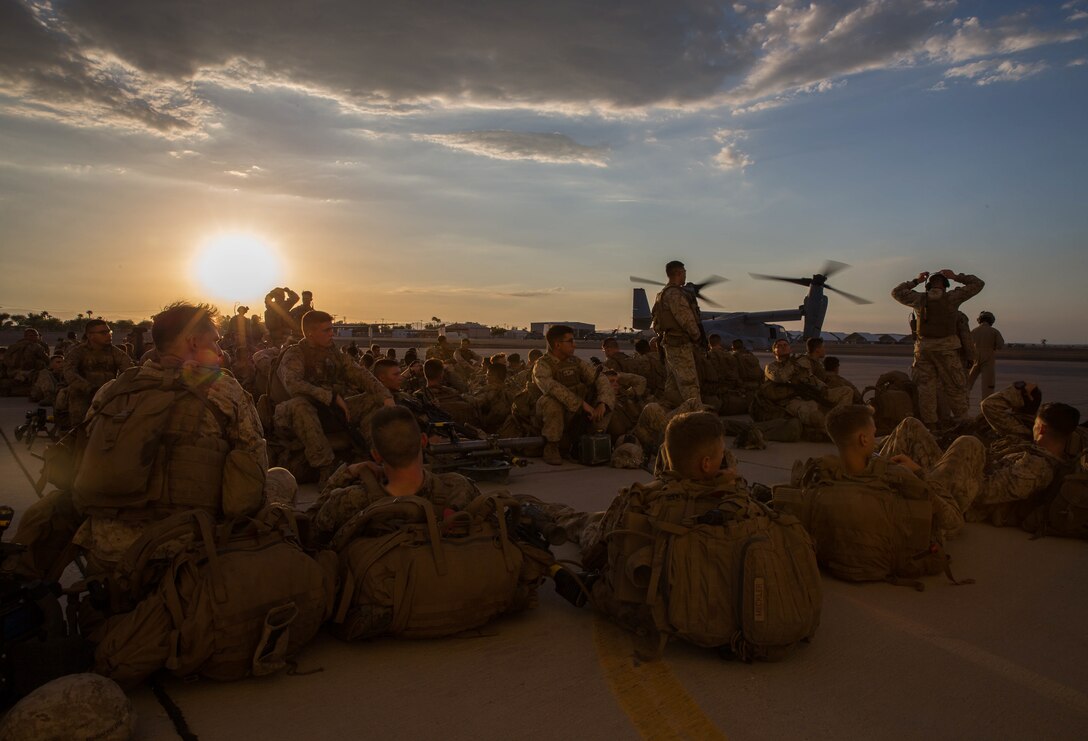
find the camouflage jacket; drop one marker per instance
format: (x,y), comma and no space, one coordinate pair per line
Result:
(346,494)
(86,369)
(549,370)
(319,373)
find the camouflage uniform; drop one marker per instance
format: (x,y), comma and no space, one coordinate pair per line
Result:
(729,388)
(312,375)
(564,385)
(492,405)
(441,350)
(652,368)
(835,381)
(346,495)
(676,312)
(953,477)
(107,536)
(46,387)
(277,315)
(938,366)
(621,362)
(792,371)
(751,374)
(86,370)
(1021,473)
(987,342)
(629,404)
(1004,413)
(25,358)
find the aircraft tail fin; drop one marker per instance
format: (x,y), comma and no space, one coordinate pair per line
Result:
(641,318)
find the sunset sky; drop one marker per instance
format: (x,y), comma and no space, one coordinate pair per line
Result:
(516,161)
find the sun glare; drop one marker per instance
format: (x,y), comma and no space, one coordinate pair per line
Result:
(237,267)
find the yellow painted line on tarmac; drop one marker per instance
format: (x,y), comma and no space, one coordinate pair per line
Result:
(650,694)
(1009,670)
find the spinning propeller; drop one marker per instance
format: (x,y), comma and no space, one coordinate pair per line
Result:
(819,279)
(694,288)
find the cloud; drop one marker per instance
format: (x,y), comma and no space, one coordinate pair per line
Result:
(511,145)
(989,71)
(730,157)
(1079,62)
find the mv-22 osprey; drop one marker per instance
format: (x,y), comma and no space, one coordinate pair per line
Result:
(755,328)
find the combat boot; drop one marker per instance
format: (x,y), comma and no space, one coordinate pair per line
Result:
(551,455)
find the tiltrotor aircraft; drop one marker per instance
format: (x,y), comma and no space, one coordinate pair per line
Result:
(758,329)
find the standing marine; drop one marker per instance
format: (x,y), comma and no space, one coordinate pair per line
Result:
(938,367)
(676,319)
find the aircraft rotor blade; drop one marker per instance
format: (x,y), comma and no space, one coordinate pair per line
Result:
(798,281)
(711,280)
(852,297)
(833,266)
(636,279)
(709,302)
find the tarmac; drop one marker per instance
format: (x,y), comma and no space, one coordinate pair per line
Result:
(1004,657)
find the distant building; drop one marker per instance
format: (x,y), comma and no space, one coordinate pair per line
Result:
(472,330)
(862,338)
(581,329)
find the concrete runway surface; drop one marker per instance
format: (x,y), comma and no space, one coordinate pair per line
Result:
(1006,657)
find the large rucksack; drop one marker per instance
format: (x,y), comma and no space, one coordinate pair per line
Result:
(1063,510)
(237,600)
(406,573)
(893,399)
(145,447)
(863,530)
(714,568)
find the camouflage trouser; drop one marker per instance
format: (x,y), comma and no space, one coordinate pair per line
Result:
(806,410)
(955,476)
(683,376)
(650,428)
(555,418)
(987,369)
(299,418)
(583,528)
(78,404)
(938,369)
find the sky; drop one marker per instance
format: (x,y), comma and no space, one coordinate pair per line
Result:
(512,161)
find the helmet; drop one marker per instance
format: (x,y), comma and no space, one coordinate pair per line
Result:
(73,706)
(935,278)
(985,316)
(627,455)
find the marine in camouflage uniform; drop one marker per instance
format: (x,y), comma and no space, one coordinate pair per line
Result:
(353,488)
(89,365)
(751,373)
(676,319)
(729,388)
(1011,411)
(49,383)
(225,423)
(785,369)
(954,477)
(1021,471)
(564,381)
(630,392)
(26,357)
(316,372)
(938,364)
(987,341)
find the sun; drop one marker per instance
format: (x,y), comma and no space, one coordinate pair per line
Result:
(237,267)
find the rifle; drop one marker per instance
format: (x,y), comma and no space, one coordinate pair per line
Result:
(577,426)
(435,420)
(332,417)
(492,457)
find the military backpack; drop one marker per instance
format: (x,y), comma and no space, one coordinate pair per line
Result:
(714,568)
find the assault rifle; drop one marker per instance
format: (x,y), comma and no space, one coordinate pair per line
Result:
(434,420)
(332,418)
(491,458)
